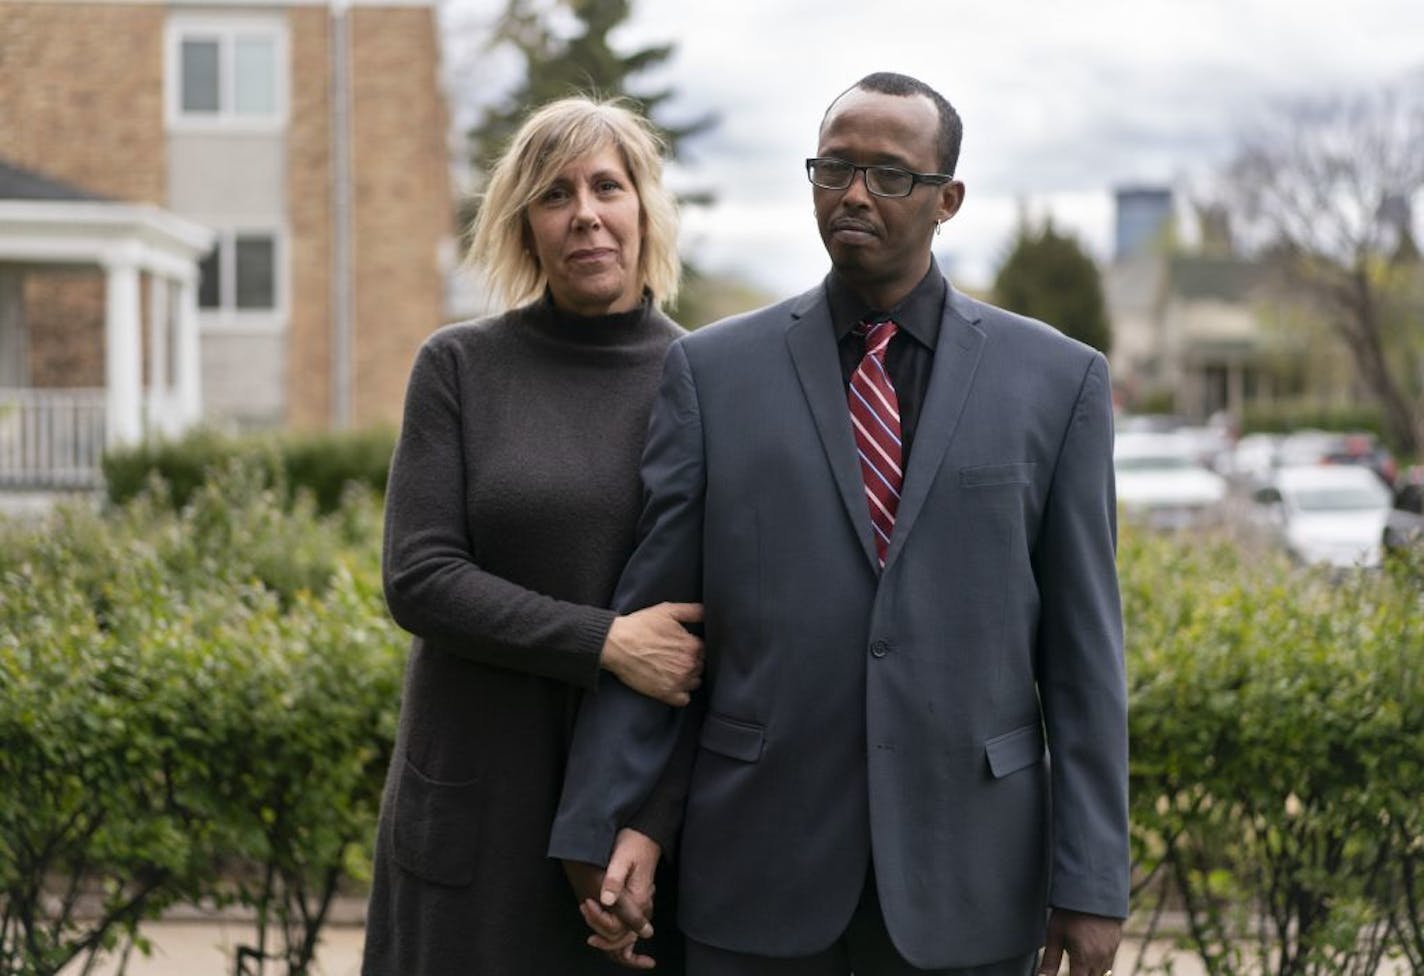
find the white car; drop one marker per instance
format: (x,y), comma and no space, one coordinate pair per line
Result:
(1161,481)
(1253,462)
(1329,514)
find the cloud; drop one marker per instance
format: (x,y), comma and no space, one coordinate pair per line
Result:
(1061,101)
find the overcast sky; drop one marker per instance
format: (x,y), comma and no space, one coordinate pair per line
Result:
(1061,101)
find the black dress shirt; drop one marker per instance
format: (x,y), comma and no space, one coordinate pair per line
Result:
(910,356)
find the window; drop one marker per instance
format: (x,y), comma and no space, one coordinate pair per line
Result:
(240,274)
(200,76)
(210,279)
(254,79)
(228,73)
(254,282)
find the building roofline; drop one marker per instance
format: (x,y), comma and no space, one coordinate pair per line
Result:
(21,183)
(90,226)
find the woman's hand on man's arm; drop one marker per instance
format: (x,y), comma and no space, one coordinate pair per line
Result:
(652,652)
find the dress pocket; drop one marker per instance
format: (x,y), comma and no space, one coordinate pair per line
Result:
(434,827)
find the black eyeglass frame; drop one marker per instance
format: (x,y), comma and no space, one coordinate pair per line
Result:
(936,179)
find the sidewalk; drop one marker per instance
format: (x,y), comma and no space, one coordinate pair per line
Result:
(202,948)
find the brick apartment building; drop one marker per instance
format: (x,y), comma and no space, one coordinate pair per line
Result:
(232,212)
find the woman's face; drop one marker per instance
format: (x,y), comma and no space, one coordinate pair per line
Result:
(587,232)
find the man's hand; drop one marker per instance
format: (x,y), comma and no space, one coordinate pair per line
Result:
(618,902)
(1090,941)
(619,917)
(652,652)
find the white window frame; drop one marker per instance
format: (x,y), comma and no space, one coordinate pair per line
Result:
(227,317)
(225,30)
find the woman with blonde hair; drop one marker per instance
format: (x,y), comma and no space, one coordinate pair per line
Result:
(510,511)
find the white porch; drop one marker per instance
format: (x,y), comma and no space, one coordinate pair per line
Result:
(51,439)
(55,437)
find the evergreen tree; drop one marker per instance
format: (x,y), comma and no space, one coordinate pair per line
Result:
(561,63)
(1047,276)
(565,48)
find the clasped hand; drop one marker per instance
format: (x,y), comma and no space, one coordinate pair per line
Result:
(617,902)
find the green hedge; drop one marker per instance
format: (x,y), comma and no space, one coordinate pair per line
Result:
(320,463)
(1277,729)
(194,707)
(1284,417)
(197,706)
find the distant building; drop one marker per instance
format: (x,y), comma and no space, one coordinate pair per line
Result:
(1186,327)
(1209,331)
(297,150)
(1216,343)
(1143,219)
(98,327)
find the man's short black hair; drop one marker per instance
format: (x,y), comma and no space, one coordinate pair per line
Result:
(951,129)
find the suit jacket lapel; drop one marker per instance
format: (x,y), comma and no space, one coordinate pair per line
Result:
(813,352)
(957,352)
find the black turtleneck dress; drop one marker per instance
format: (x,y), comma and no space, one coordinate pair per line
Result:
(511,508)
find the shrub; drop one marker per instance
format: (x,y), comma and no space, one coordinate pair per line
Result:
(195,706)
(1277,723)
(183,465)
(1286,416)
(322,465)
(325,464)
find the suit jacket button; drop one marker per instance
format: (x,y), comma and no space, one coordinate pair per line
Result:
(880,648)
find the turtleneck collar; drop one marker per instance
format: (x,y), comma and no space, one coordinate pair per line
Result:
(614,329)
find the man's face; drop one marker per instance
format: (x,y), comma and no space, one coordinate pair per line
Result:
(881,245)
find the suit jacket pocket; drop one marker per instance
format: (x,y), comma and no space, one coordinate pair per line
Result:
(732,737)
(433,827)
(989,475)
(1012,751)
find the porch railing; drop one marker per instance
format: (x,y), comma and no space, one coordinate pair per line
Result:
(51,438)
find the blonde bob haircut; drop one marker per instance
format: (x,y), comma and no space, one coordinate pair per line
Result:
(552,137)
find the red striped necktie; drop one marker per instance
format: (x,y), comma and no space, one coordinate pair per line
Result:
(875,419)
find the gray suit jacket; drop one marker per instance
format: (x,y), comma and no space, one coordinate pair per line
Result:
(908,714)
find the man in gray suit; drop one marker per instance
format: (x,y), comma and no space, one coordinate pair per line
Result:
(896,503)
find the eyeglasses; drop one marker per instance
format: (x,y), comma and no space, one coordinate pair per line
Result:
(884,181)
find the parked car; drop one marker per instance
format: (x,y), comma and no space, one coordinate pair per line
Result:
(1161,481)
(1409,490)
(1210,443)
(1149,423)
(1304,447)
(1320,447)
(1404,530)
(1327,514)
(1211,446)
(1253,462)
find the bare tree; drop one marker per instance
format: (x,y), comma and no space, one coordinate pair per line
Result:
(1327,188)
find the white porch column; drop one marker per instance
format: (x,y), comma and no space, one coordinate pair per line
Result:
(123,370)
(160,406)
(186,357)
